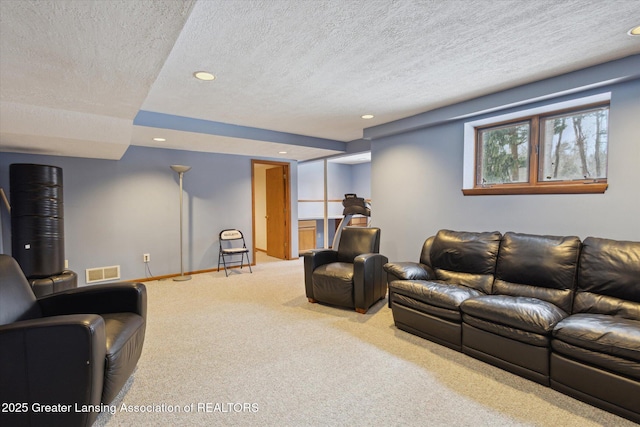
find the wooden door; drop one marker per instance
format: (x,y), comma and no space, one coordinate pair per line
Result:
(276,213)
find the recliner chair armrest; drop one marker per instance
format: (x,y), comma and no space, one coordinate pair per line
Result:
(312,260)
(369,279)
(320,257)
(364,258)
(57,361)
(108,298)
(408,271)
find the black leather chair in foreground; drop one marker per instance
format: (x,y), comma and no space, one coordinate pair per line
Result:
(350,277)
(66,355)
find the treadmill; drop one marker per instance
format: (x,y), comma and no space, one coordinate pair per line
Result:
(353,205)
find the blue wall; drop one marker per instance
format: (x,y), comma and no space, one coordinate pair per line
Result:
(115,211)
(417,178)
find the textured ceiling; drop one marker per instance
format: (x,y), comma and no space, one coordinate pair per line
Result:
(291,75)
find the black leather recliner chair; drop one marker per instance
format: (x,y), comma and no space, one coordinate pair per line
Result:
(73,350)
(350,277)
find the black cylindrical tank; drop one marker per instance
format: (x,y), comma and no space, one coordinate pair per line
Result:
(37,219)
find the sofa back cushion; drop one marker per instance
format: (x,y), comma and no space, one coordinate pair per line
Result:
(356,241)
(609,278)
(543,267)
(17,301)
(425,254)
(465,258)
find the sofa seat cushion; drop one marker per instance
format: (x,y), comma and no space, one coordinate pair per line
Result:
(439,299)
(481,282)
(606,334)
(524,313)
(538,340)
(333,283)
(589,302)
(125,336)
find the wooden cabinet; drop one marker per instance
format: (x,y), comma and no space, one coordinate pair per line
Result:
(308,231)
(306,235)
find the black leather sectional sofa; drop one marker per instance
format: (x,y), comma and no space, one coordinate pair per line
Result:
(557,310)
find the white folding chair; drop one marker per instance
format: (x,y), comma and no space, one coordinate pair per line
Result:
(230,240)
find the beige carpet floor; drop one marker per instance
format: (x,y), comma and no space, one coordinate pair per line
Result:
(249,350)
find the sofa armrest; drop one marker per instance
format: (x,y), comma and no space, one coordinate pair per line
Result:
(98,299)
(312,260)
(56,360)
(408,271)
(369,279)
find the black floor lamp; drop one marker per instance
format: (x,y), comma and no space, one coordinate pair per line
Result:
(181,170)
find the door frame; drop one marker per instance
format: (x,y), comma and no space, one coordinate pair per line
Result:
(287,202)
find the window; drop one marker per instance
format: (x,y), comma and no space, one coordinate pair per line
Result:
(503,154)
(552,152)
(574,146)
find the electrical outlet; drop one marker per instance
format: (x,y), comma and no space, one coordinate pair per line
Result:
(146,257)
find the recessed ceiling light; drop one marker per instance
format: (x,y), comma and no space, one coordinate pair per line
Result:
(367,116)
(159,139)
(282,152)
(635,31)
(204,75)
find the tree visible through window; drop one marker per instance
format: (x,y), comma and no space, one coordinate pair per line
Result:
(574,146)
(504,154)
(559,149)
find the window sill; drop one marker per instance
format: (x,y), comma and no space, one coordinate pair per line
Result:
(582,188)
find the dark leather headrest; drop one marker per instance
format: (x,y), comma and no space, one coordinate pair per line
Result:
(356,241)
(465,252)
(610,267)
(544,261)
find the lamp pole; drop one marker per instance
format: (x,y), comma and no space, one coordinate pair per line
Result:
(180,169)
